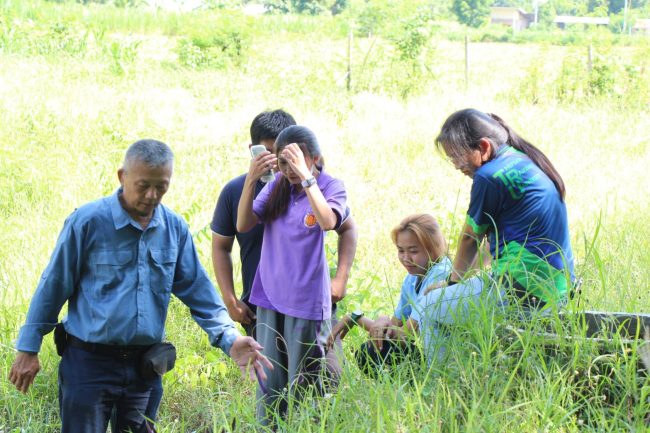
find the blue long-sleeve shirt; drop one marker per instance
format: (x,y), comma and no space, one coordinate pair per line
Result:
(118,279)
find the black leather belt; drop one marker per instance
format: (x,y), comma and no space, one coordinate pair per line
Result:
(120,352)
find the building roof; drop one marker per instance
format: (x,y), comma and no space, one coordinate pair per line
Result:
(508,9)
(568,19)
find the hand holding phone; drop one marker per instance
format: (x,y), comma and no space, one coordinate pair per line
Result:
(256,150)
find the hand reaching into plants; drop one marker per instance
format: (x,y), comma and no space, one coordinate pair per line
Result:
(340,330)
(245,351)
(379,331)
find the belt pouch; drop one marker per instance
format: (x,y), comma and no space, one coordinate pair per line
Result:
(157,360)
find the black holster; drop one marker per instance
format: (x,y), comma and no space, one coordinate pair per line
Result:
(60,338)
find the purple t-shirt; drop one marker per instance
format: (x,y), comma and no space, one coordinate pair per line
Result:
(293,277)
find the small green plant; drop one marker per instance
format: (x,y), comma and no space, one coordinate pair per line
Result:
(122,56)
(371,18)
(570,83)
(215,45)
(414,52)
(602,79)
(414,36)
(60,37)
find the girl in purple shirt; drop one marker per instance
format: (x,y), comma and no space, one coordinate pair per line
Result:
(291,288)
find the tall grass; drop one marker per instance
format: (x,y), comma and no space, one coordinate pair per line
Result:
(69,111)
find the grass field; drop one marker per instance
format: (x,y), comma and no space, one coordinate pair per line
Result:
(73,97)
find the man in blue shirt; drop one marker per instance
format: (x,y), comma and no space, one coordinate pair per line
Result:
(116,263)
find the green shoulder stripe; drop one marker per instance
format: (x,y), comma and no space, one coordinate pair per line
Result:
(478,229)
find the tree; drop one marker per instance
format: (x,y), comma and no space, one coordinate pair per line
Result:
(598,8)
(523,4)
(570,7)
(473,13)
(312,7)
(546,14)
(616,6)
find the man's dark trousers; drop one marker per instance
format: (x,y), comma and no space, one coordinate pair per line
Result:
(92,384)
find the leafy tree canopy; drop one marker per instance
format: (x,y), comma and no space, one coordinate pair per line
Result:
(473,13)
(578,7)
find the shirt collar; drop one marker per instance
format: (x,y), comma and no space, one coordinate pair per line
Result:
(122,219)
(443,263)
(502,150)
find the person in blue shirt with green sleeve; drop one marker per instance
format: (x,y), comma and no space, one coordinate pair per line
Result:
(116,263)
(517,203)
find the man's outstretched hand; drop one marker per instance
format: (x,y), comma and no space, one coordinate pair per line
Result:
(245,351)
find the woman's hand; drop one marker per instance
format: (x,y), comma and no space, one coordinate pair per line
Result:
(379,331)
(296,160)
(382,321)
(396,334)
(261,164)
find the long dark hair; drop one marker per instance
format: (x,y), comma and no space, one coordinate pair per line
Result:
(279,199)
(463,130)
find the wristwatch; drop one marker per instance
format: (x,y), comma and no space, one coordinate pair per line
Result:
(356,315)
(308,182)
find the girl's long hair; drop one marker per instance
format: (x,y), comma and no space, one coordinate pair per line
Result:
(280,196)
(463,130)
(427,231)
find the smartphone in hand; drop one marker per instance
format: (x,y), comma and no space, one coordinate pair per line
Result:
(256,150)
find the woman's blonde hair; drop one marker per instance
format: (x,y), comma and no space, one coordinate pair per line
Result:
(427,231)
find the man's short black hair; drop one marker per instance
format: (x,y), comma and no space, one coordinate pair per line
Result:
(268,125)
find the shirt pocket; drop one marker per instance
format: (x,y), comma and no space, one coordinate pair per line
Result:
(111,269)
(163,266)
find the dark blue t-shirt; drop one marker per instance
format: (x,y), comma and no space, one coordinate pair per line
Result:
(519,207)
(224,223)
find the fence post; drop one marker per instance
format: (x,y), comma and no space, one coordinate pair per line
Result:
(590,58)
(466,62)
(348,78)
